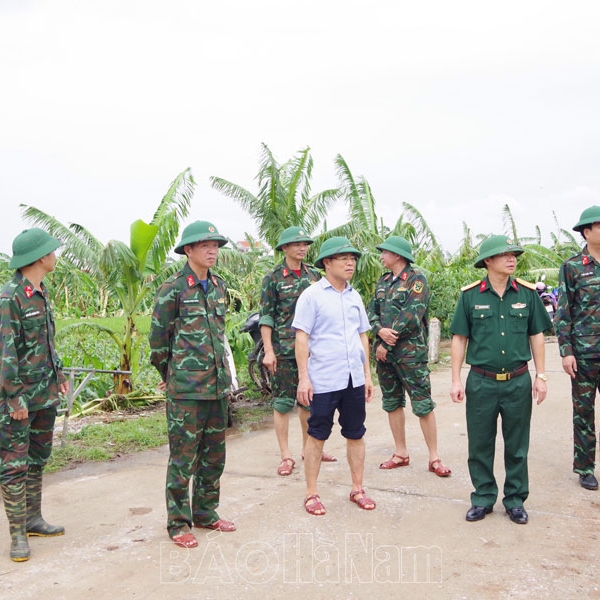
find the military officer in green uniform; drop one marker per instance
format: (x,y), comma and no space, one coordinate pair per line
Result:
(279,294)
(503,320)
(31,380)
(187,342)
(578,330)
(398,314)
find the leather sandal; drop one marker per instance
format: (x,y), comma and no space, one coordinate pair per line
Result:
(185,540)
(286,467)
(392,464)
(363,502)
(436,466)
(314,506)
(220,525)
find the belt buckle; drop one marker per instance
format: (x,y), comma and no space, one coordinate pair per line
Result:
(502,376)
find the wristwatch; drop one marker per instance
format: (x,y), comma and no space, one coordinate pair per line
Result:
(542,376)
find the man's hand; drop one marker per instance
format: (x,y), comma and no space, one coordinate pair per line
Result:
(20,415)
(539,390)
(270,361)
(457,392)
(368,390)
(63,387)
(569,364)
(304,392)
(381,353)
(389,336)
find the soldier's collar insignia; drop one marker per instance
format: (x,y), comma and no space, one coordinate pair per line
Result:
(513,283)
(190,281)
(585,259)
(483,285)
(404,276)
(28,291)
(214,280)
(286,271)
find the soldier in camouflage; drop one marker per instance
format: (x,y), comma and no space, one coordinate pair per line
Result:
(187,343)
(398,314)
(279,293)
(578,330)
(500,322)
(31,380)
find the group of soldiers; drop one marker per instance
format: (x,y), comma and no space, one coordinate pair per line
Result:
(317,336)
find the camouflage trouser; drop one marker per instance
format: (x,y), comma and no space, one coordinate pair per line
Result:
(583,394)
(197,453)
(397,379)
(284,384)
(25,443)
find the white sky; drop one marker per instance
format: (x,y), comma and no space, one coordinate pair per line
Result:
(455,106)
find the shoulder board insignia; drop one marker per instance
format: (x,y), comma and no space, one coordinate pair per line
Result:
(470,285)
(524,283)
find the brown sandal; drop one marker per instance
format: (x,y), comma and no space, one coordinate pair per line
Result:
(316,505)
(436,466)
(286,467)
(185,540)
(220,525)
(392,464)
(364,501)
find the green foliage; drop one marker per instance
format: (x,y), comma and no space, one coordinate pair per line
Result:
(104,441)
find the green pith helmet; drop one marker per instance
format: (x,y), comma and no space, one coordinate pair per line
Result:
(31,245)
(199,231)
(291,235)
(335,245)
(496,244)
(588,217)
(398,245)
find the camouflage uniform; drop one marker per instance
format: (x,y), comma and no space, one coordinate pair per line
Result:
(279,294)
(31,372)
(187,348)
(578,330)
(401,303)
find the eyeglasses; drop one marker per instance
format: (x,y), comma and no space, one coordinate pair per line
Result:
(346,257)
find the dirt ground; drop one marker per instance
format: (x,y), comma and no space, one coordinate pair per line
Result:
(416,544)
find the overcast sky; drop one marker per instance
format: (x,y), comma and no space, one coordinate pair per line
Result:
(455,106)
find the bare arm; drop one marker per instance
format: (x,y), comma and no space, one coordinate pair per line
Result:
(538,351)
(457,354)
(269,360)
(364,338)
(304,391)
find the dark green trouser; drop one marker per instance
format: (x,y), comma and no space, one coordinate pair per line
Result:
(25,443)
(488,399)
(583,395)
(197,453)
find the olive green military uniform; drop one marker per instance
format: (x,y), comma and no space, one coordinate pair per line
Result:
(187,341)
(578,330)
(279,294)
(498,331)
(401,303)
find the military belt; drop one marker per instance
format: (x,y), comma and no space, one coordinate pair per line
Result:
(502,376)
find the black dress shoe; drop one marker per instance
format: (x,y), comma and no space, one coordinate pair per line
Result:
(476,513)
(518,515)
(589,482)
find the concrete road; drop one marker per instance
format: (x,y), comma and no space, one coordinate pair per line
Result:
(416,544)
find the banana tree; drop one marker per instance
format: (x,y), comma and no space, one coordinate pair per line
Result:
(129,274)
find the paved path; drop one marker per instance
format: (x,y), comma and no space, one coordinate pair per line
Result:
(416,544)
